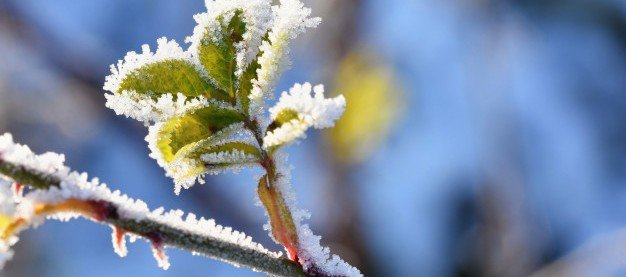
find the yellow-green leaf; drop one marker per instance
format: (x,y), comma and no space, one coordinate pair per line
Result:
(170,76)
(218,58)
(192,128)
(283,117)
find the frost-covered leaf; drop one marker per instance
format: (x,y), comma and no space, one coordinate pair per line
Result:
(168,70)
(179,132)
(245,86)
(283,117)
(283,228)
(169,76)
(217,50)
(290,19)
(297,110)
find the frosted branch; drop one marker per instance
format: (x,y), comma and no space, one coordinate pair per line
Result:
(59,193)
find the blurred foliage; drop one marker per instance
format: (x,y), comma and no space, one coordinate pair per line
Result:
(374,102)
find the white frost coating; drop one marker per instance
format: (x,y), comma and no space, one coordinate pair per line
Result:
(166,50)
(257,15)
(313,111)
(147,110)
(179,168)
(118,239)
(227,157)
(142,107)
(76,185)
(291,19)
(311,254)
(7,210)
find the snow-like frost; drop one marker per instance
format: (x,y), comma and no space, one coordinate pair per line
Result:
(313,111)
(7,212)
(74,185)
(290,19)
(228,157)
(147,110)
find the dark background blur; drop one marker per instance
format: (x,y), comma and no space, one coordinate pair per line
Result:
(482,137)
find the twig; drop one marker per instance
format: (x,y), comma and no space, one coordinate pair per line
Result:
(168,235)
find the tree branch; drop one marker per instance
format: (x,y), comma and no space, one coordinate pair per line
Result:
(168,235)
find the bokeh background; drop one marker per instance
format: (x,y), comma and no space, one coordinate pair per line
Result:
(481,138)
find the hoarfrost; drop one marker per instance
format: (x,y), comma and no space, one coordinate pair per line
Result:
(313,111)
(311,254)
(290,19)
(74,185)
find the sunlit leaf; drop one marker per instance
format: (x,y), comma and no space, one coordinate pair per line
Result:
(179,132)
(170,76)
(218,57)
(283,117)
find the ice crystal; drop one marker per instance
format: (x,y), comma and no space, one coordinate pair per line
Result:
(229,157)
(147,110)
(312,111)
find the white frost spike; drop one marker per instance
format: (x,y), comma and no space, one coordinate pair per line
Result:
(232,157)
(166,50)
(313,111)
(158,251)
(291,19)
(145,109)
(118,238)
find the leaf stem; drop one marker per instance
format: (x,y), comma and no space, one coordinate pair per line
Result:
(281,219)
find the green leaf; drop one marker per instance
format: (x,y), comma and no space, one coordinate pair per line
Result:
(188,130)
(218,58)
(283,117)
(170,76)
